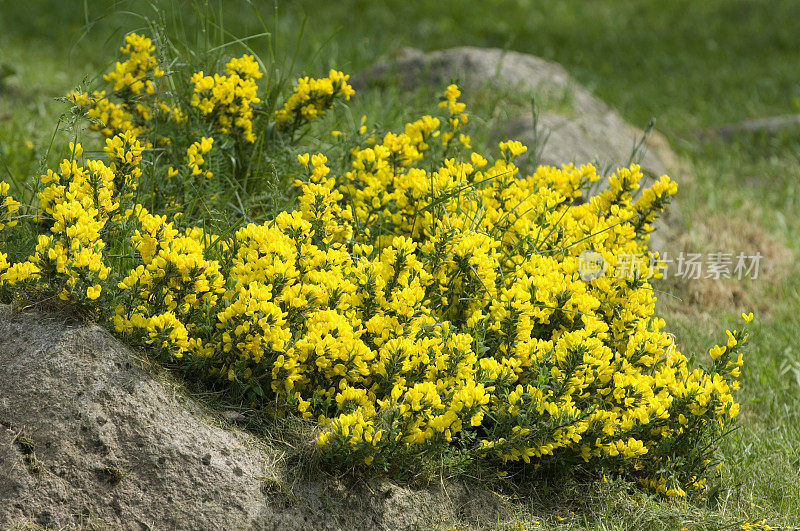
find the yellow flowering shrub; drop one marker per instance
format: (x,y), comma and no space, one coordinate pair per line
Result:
(427,300)
(311,97)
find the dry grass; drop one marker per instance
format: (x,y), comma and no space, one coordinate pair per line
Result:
(702,297)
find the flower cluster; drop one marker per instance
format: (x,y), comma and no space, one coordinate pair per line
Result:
(457,117)
(172,285)
(76,204)
(107,116)
(129,80)
(133,74)
(311,97)
(184,117)
(8,207)
(230,98)
(425,301)
(195,160)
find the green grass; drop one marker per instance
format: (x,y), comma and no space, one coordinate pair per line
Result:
(688,64)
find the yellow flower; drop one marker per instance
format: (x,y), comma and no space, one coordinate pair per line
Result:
(732,342)
(716,351)
(92,292)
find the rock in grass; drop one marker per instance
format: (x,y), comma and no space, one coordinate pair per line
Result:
(118,445)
